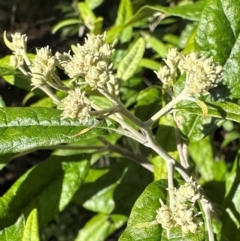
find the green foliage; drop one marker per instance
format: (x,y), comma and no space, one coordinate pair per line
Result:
(16,133)
(115,163)
(130,62)
(100,227)
(31,227)
(13,232)
(60,178)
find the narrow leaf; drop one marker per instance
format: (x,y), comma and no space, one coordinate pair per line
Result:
(87,15)
(124,13)
(31,228)
(2,103)
(150,64)
(93,3)
(64,23)
(131,61)
(157,45)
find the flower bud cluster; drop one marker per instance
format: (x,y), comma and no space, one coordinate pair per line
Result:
(42,68)
(73,106)
(167,74)
(181,213)
(201,73)
(19,48)
(90,61)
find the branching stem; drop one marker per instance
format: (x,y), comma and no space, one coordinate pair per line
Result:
(165,109)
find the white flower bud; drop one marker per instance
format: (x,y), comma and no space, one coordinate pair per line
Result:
(90,61)
(73,106)
(190,192)
(201,73)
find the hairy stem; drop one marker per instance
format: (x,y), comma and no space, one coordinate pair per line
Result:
(132,133)
(165,109)
(49,92)
(206,206)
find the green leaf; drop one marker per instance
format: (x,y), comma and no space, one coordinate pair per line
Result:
(18,80)
(119,33)
(157,45)
(86,12)
(94,3)
(222,110)
(2,103)
(13,232)
(5,68)
(189,11)
(23,129)
(124,13)
(4,159)
(195,127)
(142,223)
(23,82)
(150,64)
(130,62)
(100,226)
(116,190)
(48,187)
(113,33)
(218,35)
(231,208)
(31,228)
(205,163)
(148,102)
(98,196)
(64,23)
(130,90)
(186,35)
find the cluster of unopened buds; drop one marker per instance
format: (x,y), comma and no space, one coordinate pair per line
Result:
(201,72)
(181,213)
(89,65)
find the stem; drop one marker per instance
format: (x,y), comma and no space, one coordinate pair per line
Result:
(180,148)
(125,112)
(206,209)
(23,71)
(107,111)
(59,85)
(49,92)
(26,59)
(112,98)
(134,134)
(150,142)
(122,109)
(165,109)
(170,183)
